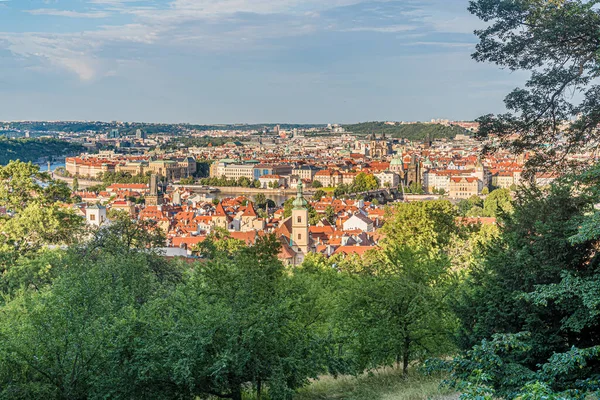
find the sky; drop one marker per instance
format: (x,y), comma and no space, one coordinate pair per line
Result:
(244,61)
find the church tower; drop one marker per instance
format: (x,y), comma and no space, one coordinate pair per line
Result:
(300,222)
(155,198)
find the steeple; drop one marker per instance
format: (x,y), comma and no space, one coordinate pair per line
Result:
(300,202)
(300,233)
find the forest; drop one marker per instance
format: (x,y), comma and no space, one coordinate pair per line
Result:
(416,131)
(33,149)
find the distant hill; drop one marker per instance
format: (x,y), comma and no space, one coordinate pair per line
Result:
(129,128)
(33,149)
(408,131)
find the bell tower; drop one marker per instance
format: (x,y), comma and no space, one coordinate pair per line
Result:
(300,222)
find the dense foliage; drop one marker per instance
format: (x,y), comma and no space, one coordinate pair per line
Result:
(418,131)
(108,316)
(530,304)
(557,41)
(34,149)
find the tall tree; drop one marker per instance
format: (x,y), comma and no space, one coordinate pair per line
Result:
(558,42)
(396,303)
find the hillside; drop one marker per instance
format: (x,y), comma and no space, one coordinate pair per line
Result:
(33,149)
(409,131)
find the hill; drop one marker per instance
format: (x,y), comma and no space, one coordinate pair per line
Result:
(417,131)
(33,149)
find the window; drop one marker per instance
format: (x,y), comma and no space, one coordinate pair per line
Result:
(92,217)
(299,220)
(299,236)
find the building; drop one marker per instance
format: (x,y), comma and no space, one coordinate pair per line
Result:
(96,215)
(271,181)
(463,187)
(294,233)
(300,238)
(305,172)
(88,167)
(268,169)
(231,169)
(413,172)
(358,222)
(397,165)
(155,198)
(388,179)
(379,148)
(328,178)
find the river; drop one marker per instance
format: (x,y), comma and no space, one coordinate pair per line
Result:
(53,165)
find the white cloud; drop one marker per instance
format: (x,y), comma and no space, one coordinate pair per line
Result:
(68,13)
(382,29)
(204,25)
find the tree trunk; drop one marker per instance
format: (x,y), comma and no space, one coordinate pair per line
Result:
(259,389)
(236,394)
(406,355)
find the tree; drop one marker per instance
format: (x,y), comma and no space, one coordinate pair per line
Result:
(187,181)
(521,283)
(485,191)
(240,321)
(36,218)
(557,42)
(319,194)
(467,204)
(364,182)
(317,184)
(395,305)
(498,202)
(415,188)
(537,278)
(75,184)
(58,339)
(330,214)
(260,199)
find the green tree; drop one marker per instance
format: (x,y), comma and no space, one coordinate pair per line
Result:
(364,182)
(75,184)
(240,322)
(395,305)
(187,181)
(319,194)
(330,214)
(498,202)
(520,286)
(556,41)
(59,339)
(317,184)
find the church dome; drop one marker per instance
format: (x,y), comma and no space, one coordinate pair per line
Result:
(396,161)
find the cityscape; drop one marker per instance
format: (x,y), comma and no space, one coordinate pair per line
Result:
(299,200)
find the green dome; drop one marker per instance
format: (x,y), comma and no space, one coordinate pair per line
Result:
(396,160)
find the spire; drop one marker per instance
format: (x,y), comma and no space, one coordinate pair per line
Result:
(300,201)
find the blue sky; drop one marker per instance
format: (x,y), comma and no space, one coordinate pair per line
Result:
(226,61)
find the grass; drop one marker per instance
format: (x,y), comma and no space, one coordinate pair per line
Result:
(384,384)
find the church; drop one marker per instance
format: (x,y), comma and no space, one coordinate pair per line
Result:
(293,232)
(379,148)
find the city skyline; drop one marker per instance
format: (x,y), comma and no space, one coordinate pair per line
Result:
(235,61)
